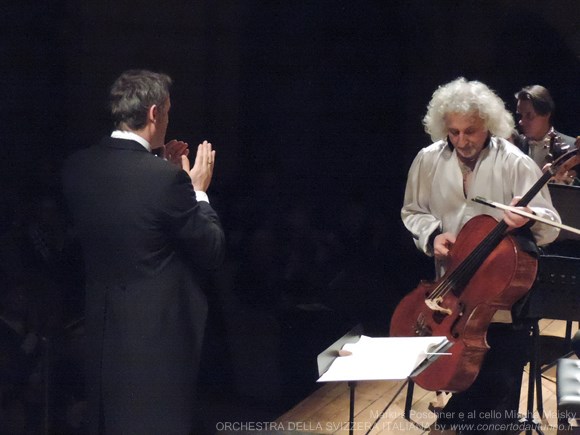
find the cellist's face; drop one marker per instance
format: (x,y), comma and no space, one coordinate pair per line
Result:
(467,133)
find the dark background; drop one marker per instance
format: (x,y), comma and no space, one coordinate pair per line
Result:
(315,111)
(330,94)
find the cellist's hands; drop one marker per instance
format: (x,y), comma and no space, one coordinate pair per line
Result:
(515,220)
(441,245)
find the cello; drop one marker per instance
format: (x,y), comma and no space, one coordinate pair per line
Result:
(486,272)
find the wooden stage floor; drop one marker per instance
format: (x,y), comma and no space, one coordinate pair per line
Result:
(326,411)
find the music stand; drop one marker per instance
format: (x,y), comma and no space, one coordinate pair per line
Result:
(327,357)
(366,359)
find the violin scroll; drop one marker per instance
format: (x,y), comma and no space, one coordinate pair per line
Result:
(557,147)
(563,170)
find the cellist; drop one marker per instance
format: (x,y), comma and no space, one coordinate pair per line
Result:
(469,157)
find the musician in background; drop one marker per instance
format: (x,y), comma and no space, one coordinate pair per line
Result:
(470,158)
(539,139)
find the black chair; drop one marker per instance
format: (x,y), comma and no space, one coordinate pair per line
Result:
(568,386)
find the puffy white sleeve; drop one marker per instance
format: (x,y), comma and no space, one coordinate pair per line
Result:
(416,212)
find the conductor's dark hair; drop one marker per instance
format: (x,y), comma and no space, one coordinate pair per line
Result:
(133,93)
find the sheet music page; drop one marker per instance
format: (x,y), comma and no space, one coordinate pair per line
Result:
(381,358)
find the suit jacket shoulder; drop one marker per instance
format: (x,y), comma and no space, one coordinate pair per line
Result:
(568,140)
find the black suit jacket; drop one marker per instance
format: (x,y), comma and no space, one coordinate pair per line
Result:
(144,239)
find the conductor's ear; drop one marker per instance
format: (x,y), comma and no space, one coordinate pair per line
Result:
(153,113)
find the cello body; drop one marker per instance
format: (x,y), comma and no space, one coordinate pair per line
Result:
(466,307)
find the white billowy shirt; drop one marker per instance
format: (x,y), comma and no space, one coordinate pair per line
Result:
(435,200)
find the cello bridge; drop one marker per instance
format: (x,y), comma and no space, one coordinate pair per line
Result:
(434,305)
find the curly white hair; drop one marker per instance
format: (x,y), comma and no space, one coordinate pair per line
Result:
(467,97)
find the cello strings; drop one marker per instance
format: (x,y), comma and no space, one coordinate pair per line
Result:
(467,267)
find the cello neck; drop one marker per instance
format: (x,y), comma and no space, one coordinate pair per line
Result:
(538,185)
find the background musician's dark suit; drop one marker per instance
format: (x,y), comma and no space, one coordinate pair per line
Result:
(539,139)
(145,238)
(543,143)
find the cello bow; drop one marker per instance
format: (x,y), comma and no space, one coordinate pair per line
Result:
(523,213)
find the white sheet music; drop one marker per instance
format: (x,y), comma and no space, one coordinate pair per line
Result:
(382,358)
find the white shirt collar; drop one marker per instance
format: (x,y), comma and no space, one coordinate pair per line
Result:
(129,135)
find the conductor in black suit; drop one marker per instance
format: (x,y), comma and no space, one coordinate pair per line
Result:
(147,231)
